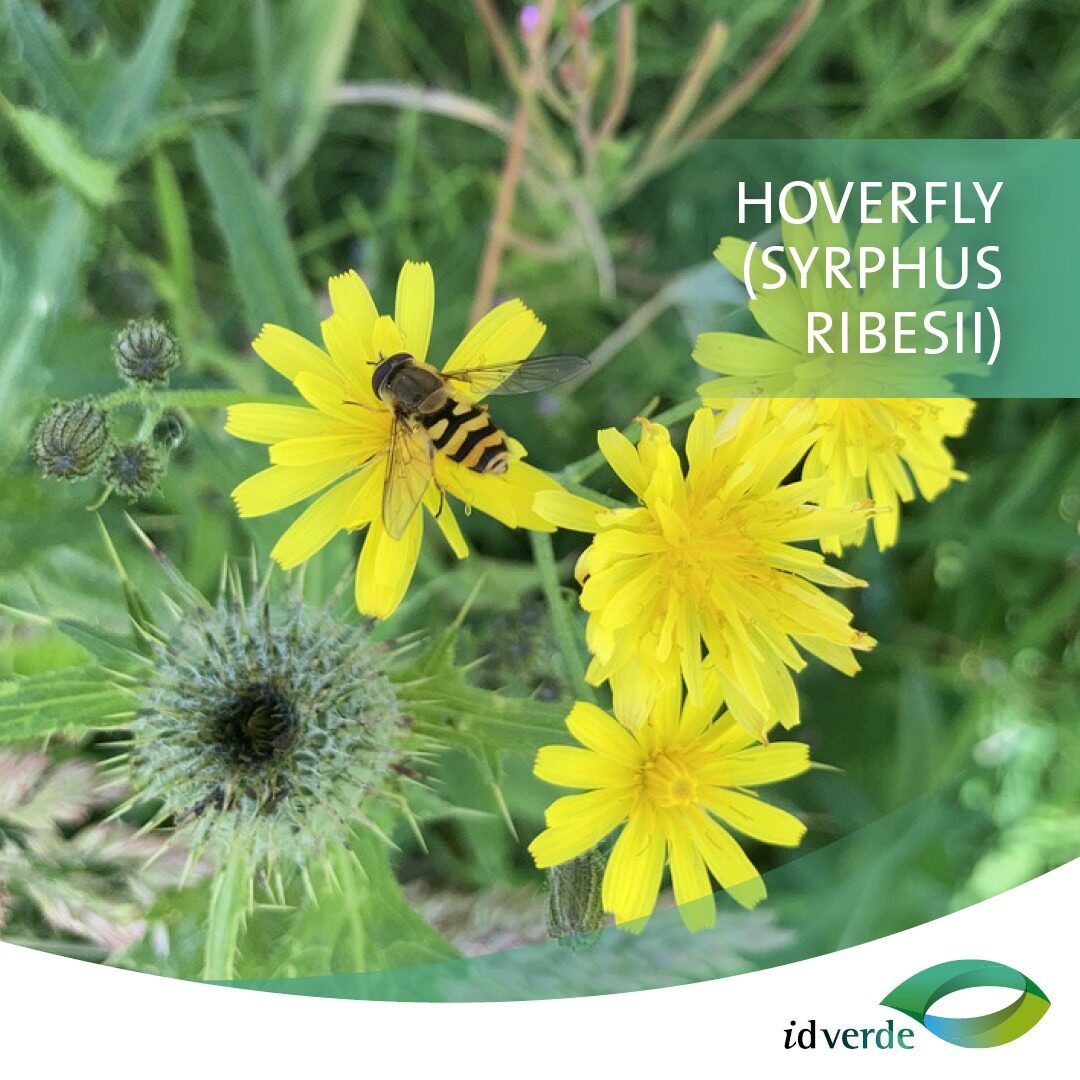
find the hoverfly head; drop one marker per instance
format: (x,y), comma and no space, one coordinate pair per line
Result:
(385,368)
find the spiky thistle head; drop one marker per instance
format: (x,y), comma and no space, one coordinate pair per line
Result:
(270,725)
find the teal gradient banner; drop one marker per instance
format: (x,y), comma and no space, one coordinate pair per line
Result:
(992,221)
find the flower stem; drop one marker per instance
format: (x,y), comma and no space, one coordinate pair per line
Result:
(229,897)
(192,399)
(565,635)
(586,466)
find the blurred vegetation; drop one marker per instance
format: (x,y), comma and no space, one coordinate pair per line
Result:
(210,165)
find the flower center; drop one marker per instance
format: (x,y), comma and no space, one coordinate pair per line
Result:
(666,781)
(258,724)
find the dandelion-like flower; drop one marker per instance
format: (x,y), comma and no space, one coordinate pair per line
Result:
(864,446)
(342,442)
(675,785)
(709,559)
(265,724)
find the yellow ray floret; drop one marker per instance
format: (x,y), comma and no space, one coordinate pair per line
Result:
(707,564)
(676,786)
(335,447)
(884,448)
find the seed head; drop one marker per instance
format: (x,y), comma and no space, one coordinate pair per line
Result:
(145,352)
(70,439)
(133,469)
(268,724)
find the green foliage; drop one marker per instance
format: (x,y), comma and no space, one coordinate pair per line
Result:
(211,164)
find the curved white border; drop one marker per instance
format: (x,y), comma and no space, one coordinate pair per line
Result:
(59,1015)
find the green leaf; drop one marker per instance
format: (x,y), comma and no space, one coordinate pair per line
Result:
(71,699)
(125,107)
(41,255)
(356,921)
(64,81)
(57,148)
(253,225)
(306,55)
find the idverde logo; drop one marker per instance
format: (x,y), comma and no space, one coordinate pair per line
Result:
(916,995)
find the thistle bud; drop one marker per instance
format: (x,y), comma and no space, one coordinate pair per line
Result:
(575,911)
(145,352)
(70,439)
(132,469)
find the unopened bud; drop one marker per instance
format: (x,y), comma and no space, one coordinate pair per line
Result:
(168,432)
(575,910)
(581,25)
(70,439)
(132,469)
(146,352)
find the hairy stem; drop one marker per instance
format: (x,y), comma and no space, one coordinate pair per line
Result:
(565,634)
(229,902)
(192,399)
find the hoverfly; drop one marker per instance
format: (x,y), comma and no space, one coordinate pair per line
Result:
(431,413)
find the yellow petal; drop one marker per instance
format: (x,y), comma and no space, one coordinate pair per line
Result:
(632,877)
(386,566)
(272,423)
(570,766)
(594,729)
(289,354)
(317,525)
(280,486)
(690,882)
(504,335)
(583,821)
(362,445)
(754,818)
(387,338)
(727,862)
(623,459)
(444,517)
(568,511)
(356,312)
(759,765)
(353,366)
(740,354)
(328,396)
(414,307)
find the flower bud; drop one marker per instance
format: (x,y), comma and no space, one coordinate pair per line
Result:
(70,439)
(132,469)
(145,352)
(169,432)
(575,911)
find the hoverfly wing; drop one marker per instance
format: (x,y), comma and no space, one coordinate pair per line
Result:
(520,376)
(409,469)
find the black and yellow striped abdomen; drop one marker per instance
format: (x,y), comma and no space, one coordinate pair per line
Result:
(464,432)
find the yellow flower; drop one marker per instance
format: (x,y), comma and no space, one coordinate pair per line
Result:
(866,447)
(667,783)
(343,439)
(709,558)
